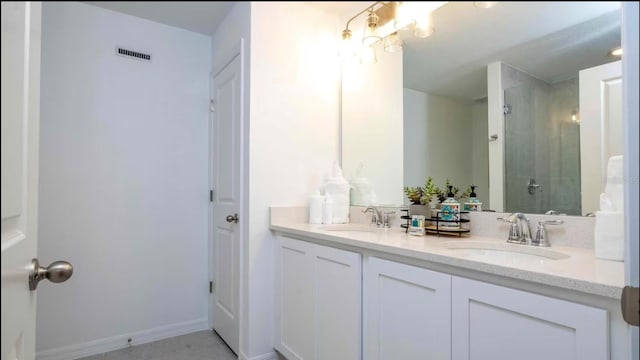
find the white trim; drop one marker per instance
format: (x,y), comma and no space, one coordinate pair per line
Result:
(630,92)
(120,341)
(268,356)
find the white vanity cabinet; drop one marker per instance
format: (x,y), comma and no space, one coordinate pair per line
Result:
(495,322)
(408,312)
(318,301)
(338,304)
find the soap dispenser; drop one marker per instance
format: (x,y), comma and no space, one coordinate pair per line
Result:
(450,211)
(473,204)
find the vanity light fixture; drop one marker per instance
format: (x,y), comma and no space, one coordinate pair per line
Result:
(384,22)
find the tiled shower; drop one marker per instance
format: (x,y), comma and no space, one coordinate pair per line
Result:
(542,147)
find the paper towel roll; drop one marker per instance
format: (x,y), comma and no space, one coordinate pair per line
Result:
(609,235)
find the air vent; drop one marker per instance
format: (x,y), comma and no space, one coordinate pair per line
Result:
(133,54)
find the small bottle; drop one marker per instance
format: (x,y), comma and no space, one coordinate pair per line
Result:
(450,211)
(417,225)
(315,208)
(327,210)
(473,204)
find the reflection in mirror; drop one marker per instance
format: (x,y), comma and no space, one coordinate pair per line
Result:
(502,98)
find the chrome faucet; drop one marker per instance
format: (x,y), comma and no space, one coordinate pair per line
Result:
(541,233)
(520,230)
(379,217)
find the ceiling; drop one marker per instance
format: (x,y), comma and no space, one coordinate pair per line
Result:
(197,16)
(549,40)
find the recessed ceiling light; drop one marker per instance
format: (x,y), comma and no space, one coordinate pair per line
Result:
(616,52)
(485,4)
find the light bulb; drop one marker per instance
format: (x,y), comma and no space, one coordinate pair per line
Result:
(404,15)
(424,27)
(370,31)
(347,47)
(392,43)
(368,55)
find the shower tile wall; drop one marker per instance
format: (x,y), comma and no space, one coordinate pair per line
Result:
(565,144)
(541,143)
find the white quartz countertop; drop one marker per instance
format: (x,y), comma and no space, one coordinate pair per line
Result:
(581,271)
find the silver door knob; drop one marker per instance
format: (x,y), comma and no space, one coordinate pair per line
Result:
(57,272)
(232,218)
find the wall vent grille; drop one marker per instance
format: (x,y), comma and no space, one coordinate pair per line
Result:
(133,54)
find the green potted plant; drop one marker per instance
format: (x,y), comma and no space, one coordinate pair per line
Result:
(432,192)
(421,197)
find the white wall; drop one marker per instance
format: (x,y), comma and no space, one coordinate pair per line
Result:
(480,150)
(123,179)
(233,36)
(372,126)
(437,139)
(293,134)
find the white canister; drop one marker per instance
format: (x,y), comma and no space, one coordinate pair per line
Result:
(327,210)
(361,192)
(339,193)
(315,208)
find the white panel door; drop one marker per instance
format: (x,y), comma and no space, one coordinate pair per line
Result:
(600,128)
(226,202)
(408,312)
(498,323)
(20,121)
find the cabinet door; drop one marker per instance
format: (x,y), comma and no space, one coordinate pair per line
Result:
(294,299)
(338,304)
(493,322)
(318,301)
(408,312)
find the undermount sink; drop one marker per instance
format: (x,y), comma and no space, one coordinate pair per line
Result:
(503,250)
(347,227)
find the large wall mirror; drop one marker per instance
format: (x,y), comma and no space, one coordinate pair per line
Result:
(522,99)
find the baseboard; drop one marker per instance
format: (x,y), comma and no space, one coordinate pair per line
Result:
(120,341)
(268,356)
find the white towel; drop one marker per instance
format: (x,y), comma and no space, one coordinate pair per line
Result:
(614,189)
(609,235)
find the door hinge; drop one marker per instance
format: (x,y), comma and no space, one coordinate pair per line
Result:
(630,303)
(506,109)
(210,195)
(212,105)
(210,287)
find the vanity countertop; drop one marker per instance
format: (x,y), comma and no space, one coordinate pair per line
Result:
(581,271)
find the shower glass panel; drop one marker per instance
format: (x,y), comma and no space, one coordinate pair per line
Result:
(542,144)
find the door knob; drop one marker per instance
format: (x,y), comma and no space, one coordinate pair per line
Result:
(232,218)
(57,272)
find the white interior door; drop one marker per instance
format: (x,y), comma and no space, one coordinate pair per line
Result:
(20,118)
(600,128)
(226,202)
